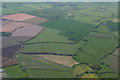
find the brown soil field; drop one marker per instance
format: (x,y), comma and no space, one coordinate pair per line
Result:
(31,31)
(8,61)
(36,20)
(10,51)
(18,17)
(4,22)
(8,41)
(116,20)
(111,61)
(64,60)
(13,26)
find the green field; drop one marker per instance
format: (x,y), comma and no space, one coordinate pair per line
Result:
(34,62)
(49,73)
(11,8)
(78,41)
(72,29)
(49,35)
(57,48)
(15,72)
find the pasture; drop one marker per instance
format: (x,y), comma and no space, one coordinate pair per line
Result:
(49,73)
(49,35)
(72,29)
(52,48)
(15,72)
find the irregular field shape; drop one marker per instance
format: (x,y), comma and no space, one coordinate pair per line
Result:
(36,20)
(90,75)
(116,52)
(4,22)
(31,31)
(8,61)
(49,35)
(8,41)
(113,63)
(64,60)
(13,26)
(10,51)
(15,72)
(81,69)
(72,29)
(18,17)
(99,46)
(35,62)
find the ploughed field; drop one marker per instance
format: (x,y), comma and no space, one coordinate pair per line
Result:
(60,40)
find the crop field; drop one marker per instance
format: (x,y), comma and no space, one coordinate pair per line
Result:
(113,63)
(59,39)
(13,26)
(8,41)
(64,60)
(116,52)
(35,62)
(4,22)
(18,17)
(26,31)
(36,20)
(8,61)
(81,69)
(53,36)
(12,51)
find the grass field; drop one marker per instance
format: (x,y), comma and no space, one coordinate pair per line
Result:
(72,29)
(108,75)
(58,48)
(49,35)
(49,73)
(15,72)
(10,8)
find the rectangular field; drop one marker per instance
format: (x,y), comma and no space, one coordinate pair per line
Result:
(49,73)
(18,17)
(28,31)
(49,35)
(36,20)
(37,62)
(52,48)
